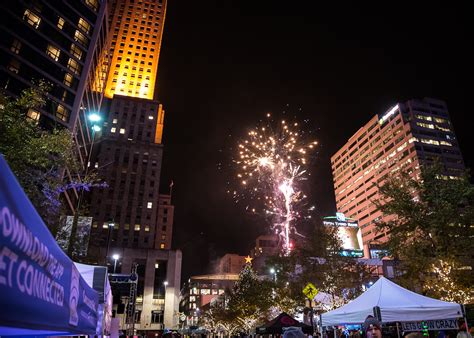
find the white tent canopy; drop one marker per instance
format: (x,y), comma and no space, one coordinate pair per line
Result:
(396,305)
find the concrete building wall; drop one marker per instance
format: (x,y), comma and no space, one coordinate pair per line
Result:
(150,303)
(405,137)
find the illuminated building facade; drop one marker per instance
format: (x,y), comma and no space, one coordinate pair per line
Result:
(406,136)
(137,30)
(130,217)
(62,43)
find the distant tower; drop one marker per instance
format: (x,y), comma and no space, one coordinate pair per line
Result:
(131,218)
(408,135)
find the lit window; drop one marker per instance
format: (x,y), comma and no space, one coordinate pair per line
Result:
(74,66)
(114,121)
(440,120)
(150,117)
(205,291)
(16,45)
(422,117)
(149,205)
(53,52)
(137,227)
(60,23)
(76,51)
(122,131)
(429,141)
(112,130)
(425,125)
(446,143)
(33,114)
(162,245)
(14,66)
(68,79)
(33,19)
(105,225)
(81,38)
(147,228)
(62,113)
(94,4)
(84,25)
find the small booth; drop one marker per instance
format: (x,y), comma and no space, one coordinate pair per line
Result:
(390,303)
(283,320)
(41,290)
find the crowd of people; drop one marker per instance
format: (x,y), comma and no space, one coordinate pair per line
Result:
(372,328)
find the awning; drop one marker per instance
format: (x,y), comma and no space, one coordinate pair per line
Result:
(40,287)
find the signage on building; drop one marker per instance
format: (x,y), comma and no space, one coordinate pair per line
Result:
(348,233)
(440,324)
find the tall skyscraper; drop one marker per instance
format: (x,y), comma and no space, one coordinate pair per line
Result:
(62,43)
(408,135)
(130,217)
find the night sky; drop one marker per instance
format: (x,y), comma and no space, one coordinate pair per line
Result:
(225,64)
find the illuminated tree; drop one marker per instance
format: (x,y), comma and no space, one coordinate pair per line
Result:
(431,233)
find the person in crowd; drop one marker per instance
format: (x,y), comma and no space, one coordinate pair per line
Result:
(372,327)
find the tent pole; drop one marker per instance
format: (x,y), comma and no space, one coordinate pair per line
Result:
(398,331)
(465,317)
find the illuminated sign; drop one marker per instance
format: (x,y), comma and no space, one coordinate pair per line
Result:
(388,114)
(348,232)
(431,325)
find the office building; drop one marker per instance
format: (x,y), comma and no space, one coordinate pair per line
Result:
(62,43)
(405,137)
(230,263)
(131,218)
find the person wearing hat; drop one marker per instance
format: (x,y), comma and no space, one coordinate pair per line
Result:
(372,327)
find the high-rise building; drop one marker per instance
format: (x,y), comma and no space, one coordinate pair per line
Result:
(130,217)
(230,263)
(408,135)
(62,43)
(136,34)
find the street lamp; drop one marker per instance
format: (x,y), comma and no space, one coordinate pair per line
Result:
(94,118)
(116,258)
(273,272)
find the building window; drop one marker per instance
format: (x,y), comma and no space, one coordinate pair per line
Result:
(76,51)
(68,79)
(112,130)
(122,131)
(33,114)
(81,38)
(84,25)
(33,19)
(74,66)
(16,45)
(60,23)
(14,66)
(53,52)
(149,205)
(162,245)
(62,113)
(147,228)
(114,121)
(94,4)
(137,227)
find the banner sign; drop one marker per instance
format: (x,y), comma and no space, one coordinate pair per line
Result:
(440,324)
(40,287)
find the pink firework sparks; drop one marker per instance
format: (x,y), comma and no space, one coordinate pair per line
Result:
(271,164)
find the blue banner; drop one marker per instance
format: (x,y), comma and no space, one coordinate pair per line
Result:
(40,288)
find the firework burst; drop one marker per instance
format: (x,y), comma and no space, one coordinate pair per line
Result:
(271,165)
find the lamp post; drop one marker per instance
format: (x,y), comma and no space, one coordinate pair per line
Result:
(94,118)
(273,272)
(110,228)
(116,258)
